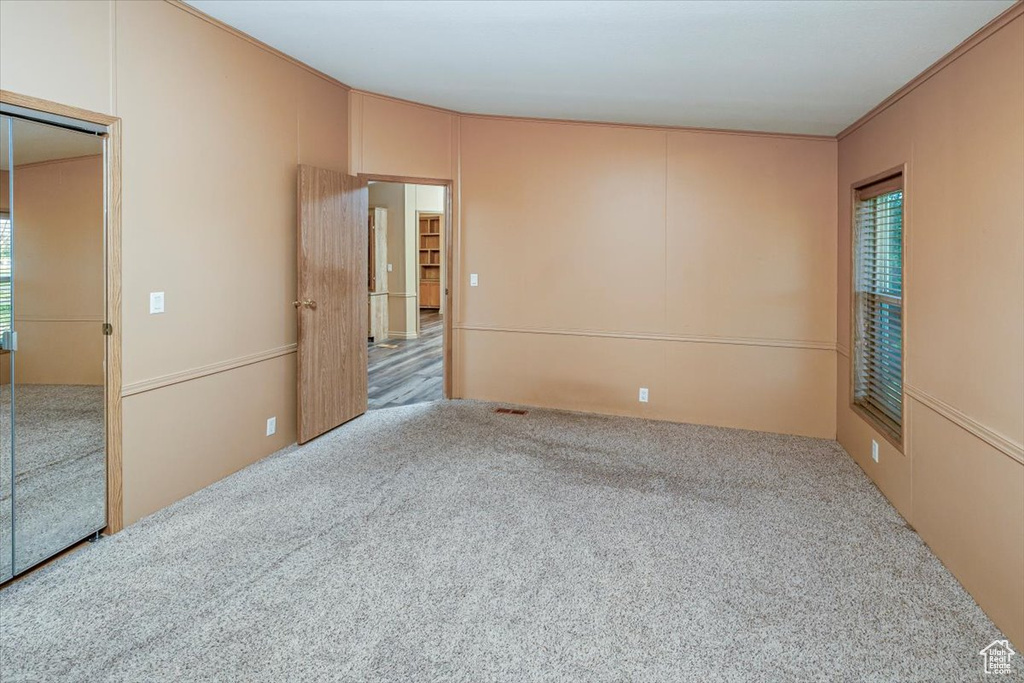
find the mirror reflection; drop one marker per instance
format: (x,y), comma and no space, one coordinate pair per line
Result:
(51,315)
(6,405)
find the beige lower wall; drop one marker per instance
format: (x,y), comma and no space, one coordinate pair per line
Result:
(188,435)
(969,507)
(768,388)
(964,497)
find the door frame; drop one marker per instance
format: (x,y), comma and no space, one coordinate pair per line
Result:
(112,244)
(447,283)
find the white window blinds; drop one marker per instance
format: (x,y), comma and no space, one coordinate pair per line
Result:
(6,321)
(878,304)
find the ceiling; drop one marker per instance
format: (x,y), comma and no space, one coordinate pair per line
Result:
(797,67)
(35,142)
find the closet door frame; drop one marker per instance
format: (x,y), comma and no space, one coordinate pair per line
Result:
(112,240)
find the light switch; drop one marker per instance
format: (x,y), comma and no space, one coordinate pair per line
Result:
(156,302)
(473,280)
(390,268)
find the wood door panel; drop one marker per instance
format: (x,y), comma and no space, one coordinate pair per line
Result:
(332,272)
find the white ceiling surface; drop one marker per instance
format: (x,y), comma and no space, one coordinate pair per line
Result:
(797,67)
(35,142)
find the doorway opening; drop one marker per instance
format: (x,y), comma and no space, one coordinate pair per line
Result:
(407,271)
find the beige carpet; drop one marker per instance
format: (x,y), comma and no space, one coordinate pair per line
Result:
(447,542)
(60,474)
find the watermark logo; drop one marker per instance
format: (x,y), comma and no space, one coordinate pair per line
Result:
(997,657)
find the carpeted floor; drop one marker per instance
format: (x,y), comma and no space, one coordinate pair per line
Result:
(60,472)
(444,541)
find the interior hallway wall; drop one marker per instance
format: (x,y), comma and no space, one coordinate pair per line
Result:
(401,256)
(58,273)
(422,199)
(960,477)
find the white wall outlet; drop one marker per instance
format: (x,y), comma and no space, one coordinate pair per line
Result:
(390,267)
(474,280)
(643,394)
(271,425)
(156,302)
(874,450)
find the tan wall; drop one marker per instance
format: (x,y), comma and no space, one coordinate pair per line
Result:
(60,51)
(213,129)
(960,481)
(612,258)
(220,241)
(395,138)
(58,274)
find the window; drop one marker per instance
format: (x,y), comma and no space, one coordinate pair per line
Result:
(5,272)
(878,304)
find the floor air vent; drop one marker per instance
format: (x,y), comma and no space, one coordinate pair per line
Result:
(510,411)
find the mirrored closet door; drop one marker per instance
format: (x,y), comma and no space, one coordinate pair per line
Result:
(52,343)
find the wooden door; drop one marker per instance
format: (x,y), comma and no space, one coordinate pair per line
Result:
(332,300)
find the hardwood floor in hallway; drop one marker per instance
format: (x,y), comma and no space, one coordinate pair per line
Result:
(407,371)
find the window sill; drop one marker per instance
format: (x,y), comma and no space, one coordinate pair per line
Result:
(886,432)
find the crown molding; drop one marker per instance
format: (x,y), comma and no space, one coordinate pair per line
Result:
(988,30)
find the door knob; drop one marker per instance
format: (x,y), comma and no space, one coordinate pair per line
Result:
(308,303)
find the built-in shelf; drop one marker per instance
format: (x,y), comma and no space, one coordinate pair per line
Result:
(430,260)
